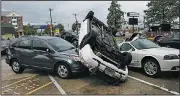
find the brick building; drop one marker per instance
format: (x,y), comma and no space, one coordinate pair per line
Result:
(15,19)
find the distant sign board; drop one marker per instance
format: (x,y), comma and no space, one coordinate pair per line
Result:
(57,30)
(39,26)
(132,14)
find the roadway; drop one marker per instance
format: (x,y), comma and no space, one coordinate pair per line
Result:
(33,82)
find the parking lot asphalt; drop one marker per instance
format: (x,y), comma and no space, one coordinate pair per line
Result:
(32,82)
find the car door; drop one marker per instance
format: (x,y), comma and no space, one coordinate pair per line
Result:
(42,57)
(25,51)
(126,47)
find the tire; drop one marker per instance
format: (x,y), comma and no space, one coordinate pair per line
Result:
(154,63)
(64,71)
(16,67)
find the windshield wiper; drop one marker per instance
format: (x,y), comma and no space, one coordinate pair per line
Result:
(67,49)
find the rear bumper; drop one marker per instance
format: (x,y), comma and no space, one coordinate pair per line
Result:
(7,60)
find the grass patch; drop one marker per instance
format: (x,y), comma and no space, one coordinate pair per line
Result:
(10,36)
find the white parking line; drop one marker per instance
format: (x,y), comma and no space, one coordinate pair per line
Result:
(162,88)
(57,85)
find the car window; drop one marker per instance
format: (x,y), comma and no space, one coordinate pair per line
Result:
(25,44)
(176,36)
(144,44)
(126,47)
(59,44)
(39,45)
(15,44)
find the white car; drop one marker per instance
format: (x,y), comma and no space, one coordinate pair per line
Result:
(151,57)
(99,51)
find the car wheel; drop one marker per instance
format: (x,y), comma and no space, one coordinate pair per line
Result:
(151,68)
(16,67)
(64,71)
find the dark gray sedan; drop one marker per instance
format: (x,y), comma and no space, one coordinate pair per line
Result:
(44,52)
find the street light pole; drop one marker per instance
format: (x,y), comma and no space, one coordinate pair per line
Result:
(76,22)
(51,20)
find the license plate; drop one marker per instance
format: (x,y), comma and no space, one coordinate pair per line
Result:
(109,71)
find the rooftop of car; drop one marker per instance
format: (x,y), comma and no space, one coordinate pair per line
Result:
(45,37)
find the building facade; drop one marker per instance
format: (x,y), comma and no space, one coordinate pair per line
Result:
(15,19)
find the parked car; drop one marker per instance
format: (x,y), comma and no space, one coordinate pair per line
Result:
(151,57)
(70,37)
(44,52)
(157,38)
(171,42)
(99,52)
(4,45)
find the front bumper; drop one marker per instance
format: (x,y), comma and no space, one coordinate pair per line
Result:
(78,67)
(170,65)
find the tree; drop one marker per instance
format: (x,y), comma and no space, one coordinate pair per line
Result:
(74,26)
(115,17)
(46,31)
(28,30)
(162,11)
(61,27)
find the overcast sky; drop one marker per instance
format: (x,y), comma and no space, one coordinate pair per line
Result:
(37,12)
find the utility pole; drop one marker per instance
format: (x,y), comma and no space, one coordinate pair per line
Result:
(144,21)
(76,22)
(68,27)
(51,21)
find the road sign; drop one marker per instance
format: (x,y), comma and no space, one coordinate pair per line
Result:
(133,21)
(132,14)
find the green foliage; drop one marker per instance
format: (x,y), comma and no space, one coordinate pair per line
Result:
(74,26)
(29,31)
(46,31)
(61,27)
(162,11)
(115,17)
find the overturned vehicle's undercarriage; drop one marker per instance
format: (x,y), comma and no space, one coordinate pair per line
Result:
(99,52)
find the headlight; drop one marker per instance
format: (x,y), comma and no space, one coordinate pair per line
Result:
(76,58)
(170,57)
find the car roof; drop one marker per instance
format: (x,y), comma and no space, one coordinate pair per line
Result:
(45,37)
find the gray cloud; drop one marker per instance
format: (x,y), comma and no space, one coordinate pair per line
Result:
(37,12)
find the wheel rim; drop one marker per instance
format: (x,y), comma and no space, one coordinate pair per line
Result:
(150,68)
(16,66)
(62,71)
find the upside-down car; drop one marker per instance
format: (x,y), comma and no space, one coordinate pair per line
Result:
(99,52)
